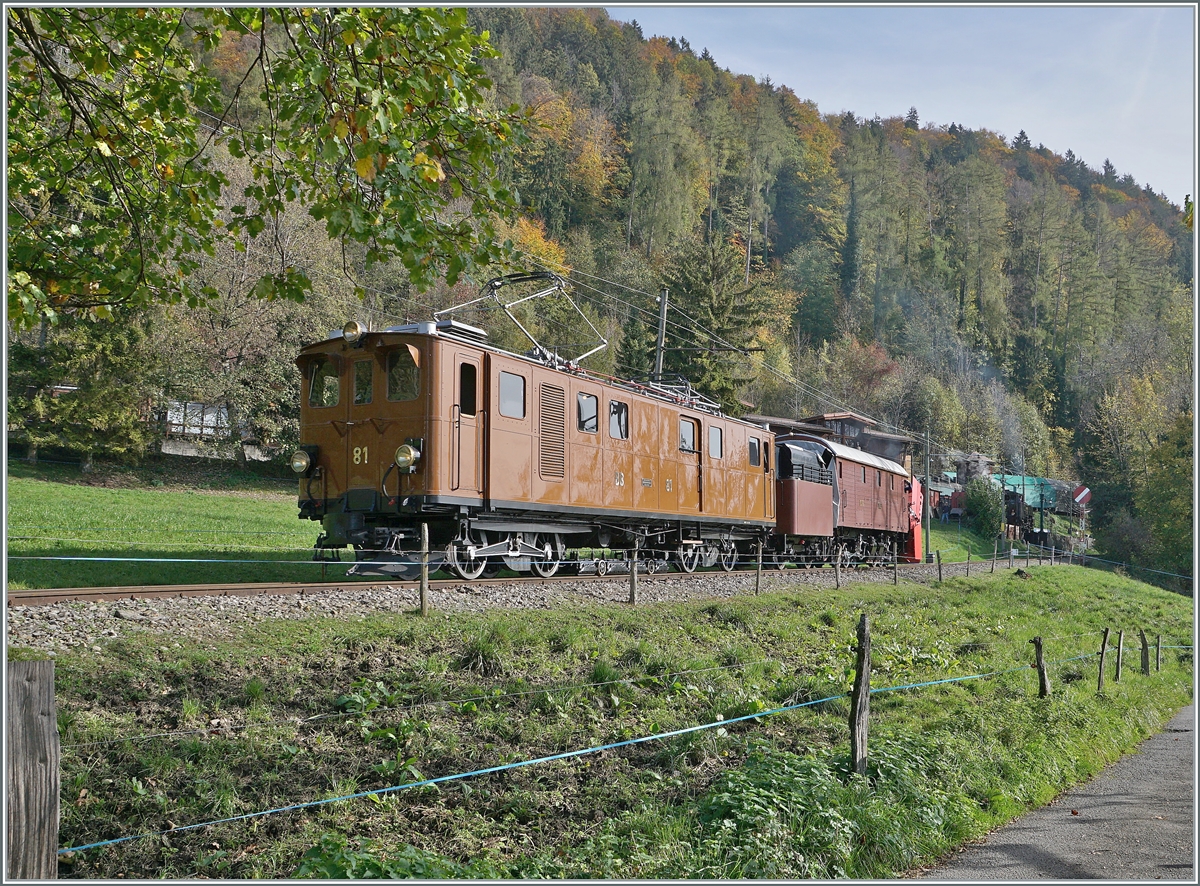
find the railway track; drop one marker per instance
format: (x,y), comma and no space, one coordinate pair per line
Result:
(53,596)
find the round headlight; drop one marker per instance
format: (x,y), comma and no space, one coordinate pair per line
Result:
(353,331)
(406,456)
(300,461)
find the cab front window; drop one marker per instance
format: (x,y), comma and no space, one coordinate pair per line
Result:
(324,384)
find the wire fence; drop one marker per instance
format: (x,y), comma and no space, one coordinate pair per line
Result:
(718,723)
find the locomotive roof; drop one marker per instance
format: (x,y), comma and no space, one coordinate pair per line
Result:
(849,453)
(457,331)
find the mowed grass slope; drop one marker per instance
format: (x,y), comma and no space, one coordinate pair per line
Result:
(332,708)
(101,531)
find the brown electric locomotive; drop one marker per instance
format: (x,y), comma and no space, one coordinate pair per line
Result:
(514,460)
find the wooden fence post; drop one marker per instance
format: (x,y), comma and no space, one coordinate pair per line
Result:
(1103,654)
(1120,654)
(1040,663)
(895,572)
(424,569)
(633,566)
(1012,557)
(968,562)
(837,569)
(939,563)
(860,698)
(758,570)
(1027,550)
(33,777)
(1158,653)
(995,553)
(1145,652)
(1051,555)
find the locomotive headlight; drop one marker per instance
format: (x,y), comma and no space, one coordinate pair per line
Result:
(301,461)
(407,455)
(353,331)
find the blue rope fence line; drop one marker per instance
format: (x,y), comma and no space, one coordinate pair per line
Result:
(520,764)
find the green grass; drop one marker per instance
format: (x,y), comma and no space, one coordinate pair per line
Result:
(55,519)
(396,695)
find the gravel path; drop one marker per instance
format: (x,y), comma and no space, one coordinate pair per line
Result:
(86,626)
(1134,821)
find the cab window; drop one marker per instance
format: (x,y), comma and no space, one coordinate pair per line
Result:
(364,372)
(618,420)
(687,435)
(716,442)
(324,384)
(755,458)
(589,413)
(512,395)
(466,388)
(403,376)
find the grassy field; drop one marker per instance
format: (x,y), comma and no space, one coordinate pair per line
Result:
(304,710)
(123,526)
(116,517)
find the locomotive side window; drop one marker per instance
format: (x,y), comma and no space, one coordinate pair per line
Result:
(715,442)
(466,389)
(512,395)
(755,459)
(589,413)
(323,389)
(878,478)
(403,376)
(618,420)
(687,435)
(364,372)
(864,470)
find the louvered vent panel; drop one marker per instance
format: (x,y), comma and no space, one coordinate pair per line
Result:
(552,446)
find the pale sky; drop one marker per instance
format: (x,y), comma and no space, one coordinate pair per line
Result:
(1115,82)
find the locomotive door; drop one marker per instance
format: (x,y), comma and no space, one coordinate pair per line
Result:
(364,449)
(689,473)
(466,426)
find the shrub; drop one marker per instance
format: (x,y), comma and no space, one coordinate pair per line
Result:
(984,504)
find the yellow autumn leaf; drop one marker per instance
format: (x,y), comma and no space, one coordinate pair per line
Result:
(341,129)
(365,167)
(349,36)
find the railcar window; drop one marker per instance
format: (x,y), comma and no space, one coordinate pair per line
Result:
(879,478)
(755,458)
(864,470)
(687,435)
(839,470)
(716,448)
(364,373)
(466,388)
(589,413)
(512,395)
(323,389)
(618,420)
(403,376)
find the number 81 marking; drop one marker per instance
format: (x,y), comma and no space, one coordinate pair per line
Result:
(360,455)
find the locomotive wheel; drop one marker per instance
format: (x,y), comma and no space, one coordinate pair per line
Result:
(688,557)
(602,568)
(546,567)
(729,558)
(464,567)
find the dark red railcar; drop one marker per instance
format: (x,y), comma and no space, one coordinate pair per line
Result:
(833,500)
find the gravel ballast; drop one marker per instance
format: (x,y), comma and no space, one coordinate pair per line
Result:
(86,626)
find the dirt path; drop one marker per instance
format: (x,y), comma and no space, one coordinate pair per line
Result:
(1134,821)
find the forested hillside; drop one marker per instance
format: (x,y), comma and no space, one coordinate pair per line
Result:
(998,294)
(1006,297)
